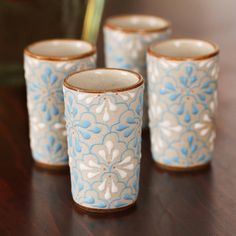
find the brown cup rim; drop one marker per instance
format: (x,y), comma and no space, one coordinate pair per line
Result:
(76,88)
(131,30)
(28,52)
(216,51)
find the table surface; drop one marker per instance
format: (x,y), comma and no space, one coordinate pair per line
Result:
(38,202)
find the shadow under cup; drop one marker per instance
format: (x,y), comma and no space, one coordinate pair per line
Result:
(103,109)
(182,89)
(46,64)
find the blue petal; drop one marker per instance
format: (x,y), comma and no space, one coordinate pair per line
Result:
(36,97)
(58,147)
(85,124)
(100,205)
(130,120)
(180,109)
(96,130)
(209,91)
(75,110)
(183,80)
(44,79)
(53,79)
(184,151)
(54,110)
(85,135)
(80,187)
(43,106)
(173,97)
(194,109)
(202,158)
(190,140)
(47,116)
(120,204)
(48,147)
(187,118)
(193,148)
(65,158)
(174,159)
(48,71)
(189,70)
(70,100)
(121,127)
(70,140)
(128,132)
(138,109)
(193,79)
(127,197)
(89,200)
(205,85)
(51,140)
(202,97)
(169,86)
(162,91)
(77,145)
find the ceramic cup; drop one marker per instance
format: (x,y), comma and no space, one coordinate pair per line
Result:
(103,110)
(126,40)
(182,87)
(46,64)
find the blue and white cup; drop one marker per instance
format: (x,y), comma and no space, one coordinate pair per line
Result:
(127,38)
(182,88)
(103,110)
(46,64)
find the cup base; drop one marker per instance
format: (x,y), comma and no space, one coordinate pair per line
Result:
(183,169)
(50,166)
(104,211)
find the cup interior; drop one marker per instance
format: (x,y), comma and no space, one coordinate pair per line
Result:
(137,22)
(60,48)
(103,80)
(184,48)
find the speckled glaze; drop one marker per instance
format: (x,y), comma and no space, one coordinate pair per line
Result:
(126,48)
(44,77)
(104,144)
(182,108)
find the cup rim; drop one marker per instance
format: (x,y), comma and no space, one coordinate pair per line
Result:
(123,89)
(29,53)
(131,30)
(216,51)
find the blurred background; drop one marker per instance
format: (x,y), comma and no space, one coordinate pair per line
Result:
(25,21)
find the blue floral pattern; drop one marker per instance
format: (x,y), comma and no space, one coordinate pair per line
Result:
(104,134)
(45,102)
(128,51)
(183,101)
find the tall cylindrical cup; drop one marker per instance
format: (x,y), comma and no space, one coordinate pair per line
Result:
(103,110)
(182,87)
(46,64)
(126,39)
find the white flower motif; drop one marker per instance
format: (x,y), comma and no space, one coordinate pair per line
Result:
(109,167)
(105,107)
(206,129)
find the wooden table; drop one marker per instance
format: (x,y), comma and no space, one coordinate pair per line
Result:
(38,202)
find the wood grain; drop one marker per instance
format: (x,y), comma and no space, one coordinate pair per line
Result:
(38,202)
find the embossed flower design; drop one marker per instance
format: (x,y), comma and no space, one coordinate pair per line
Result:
(206,129)
(189,151)
(190,92)
(109,166)
(50,148)
(81,126)
(164,128)
(47,93)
